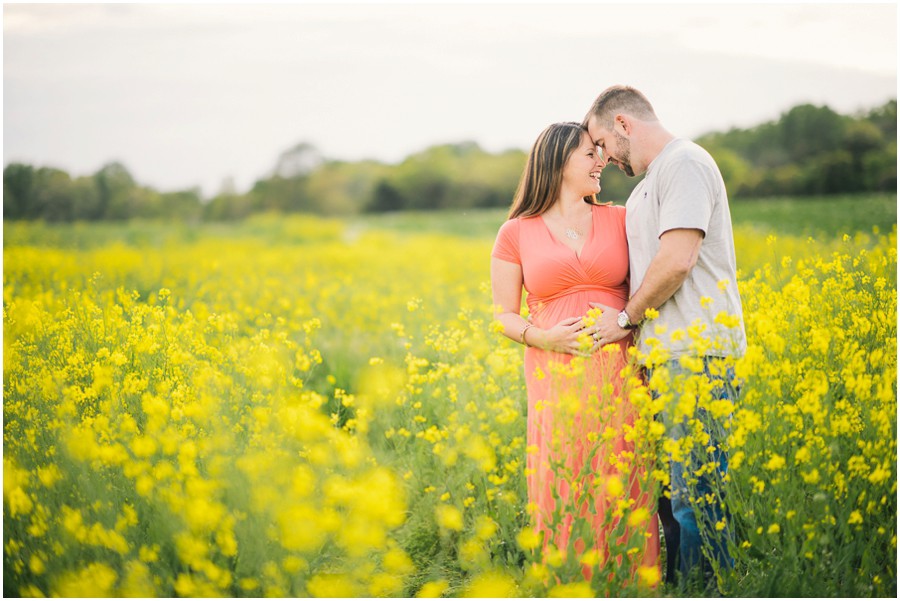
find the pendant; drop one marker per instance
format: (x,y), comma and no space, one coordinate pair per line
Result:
(570,233)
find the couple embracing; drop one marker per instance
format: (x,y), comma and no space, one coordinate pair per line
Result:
(593,273)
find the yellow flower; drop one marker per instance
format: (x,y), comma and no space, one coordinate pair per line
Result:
(332,585)
(571,590)
(94,580)
(137,582)
(19,502)
(248,584)
(431,590)
(485,528)
(49,475)
(36,565)
(651,313)
(449,517)
(810,477)
(776,462)
(649,575)
(491,584)
(638,517)
(614,486)
(528,539)
(726,319)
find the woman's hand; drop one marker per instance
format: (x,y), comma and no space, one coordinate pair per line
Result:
(565,337)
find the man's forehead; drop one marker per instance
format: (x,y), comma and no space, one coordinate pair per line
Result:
(596,132)
(598,135)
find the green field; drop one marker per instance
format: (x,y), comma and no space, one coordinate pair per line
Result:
(179,397)
(816,216)
(812,216)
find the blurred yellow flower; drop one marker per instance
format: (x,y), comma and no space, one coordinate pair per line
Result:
(449,517)
(638,517)
(649,576)
(614,486)
(434,589)
(571,590)
(491,584)
(528,539)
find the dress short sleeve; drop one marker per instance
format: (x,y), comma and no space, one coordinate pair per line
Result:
(620,216)
(506,246)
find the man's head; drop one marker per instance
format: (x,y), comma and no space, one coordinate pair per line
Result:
(611,123)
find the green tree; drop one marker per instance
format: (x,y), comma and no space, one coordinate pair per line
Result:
(115,191)
(385,198)
(51,195)
(183,205)
(18,188)
(85,199)
(340,188)
(807,131)
(885,119)
(880,169)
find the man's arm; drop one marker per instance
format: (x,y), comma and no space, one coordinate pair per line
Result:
(677,255)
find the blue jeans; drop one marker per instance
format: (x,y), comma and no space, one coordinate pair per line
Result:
(697,524)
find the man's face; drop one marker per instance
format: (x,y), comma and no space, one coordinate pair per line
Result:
(615,147)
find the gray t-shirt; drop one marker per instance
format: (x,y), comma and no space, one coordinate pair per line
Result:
(683,188)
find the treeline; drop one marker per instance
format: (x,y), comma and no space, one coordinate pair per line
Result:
(809,150)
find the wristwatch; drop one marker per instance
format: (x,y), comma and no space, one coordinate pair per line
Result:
(624,321)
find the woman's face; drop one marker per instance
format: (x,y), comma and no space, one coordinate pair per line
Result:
(581,174)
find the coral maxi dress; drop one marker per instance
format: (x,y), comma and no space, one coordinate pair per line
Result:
(574,418)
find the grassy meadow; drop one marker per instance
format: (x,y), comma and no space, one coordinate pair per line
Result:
(295,406)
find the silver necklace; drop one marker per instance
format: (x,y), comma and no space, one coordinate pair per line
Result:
(573,234)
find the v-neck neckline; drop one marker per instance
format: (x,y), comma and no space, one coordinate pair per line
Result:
(587,238)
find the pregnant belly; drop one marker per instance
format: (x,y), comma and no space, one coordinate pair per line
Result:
(576,303)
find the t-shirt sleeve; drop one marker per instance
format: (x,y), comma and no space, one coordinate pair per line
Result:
(506,246)
(687,196)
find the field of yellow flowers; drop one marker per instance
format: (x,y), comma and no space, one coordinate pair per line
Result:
(301,407)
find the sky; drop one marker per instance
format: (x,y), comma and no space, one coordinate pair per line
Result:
(209,95)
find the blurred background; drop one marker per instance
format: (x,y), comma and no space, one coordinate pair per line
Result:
(220,111)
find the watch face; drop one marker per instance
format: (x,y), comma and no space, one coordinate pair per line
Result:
(623,320)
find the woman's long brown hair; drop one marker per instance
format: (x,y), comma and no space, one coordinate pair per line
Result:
(542,178)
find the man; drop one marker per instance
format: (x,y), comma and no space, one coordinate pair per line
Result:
(682,264)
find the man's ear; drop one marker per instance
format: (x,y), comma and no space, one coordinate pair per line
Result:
(622,123)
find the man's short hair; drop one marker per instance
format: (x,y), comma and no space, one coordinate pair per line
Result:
(617,100)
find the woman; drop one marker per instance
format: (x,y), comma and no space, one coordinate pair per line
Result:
(567,252)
